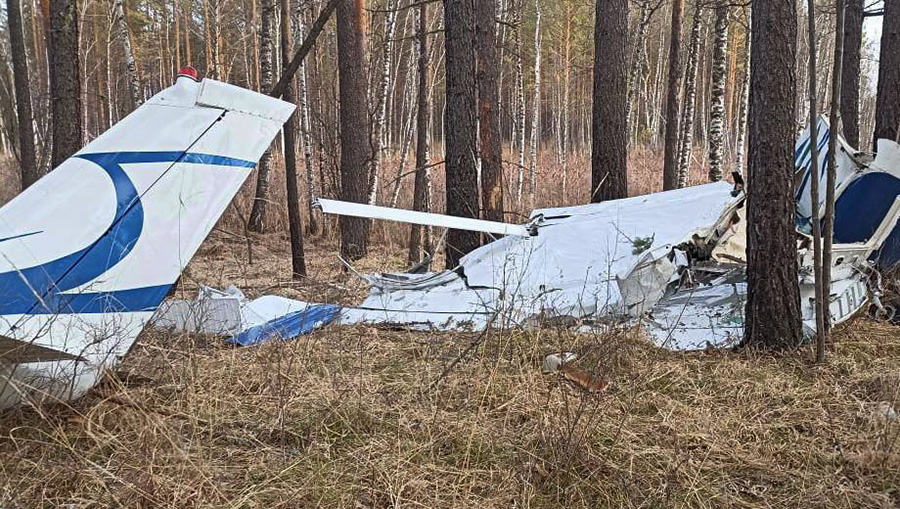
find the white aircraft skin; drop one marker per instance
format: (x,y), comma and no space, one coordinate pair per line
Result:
(89,251)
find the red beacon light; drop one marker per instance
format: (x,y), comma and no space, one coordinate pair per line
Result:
(189,72)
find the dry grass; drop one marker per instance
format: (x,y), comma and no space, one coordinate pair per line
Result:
(353,417)
(361,417)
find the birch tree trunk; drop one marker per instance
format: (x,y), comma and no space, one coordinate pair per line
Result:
(520,105)
(134,84)
(690,97)
(717,108)
(24,116)
(390,21)
(305,134)
(745,99)
(536,105)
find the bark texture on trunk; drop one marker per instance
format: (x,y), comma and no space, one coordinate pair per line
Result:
(65,80)
(536,103)
(717,108)
(773,296)
(673,99)
(382,99)
(295,221)
(851,71)
(609,174)
(488,77)
(420,236)
(24,115)
(134,84)
(460,130)
(887,104)
(686,137)
(259,221)
(356,151)
(741,141)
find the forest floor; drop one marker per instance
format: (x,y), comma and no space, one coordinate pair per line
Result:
(362,416)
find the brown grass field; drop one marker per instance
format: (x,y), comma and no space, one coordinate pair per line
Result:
(366,417)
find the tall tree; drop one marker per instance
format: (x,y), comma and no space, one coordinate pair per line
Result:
(259,214)
(65,80)
(773,294)
(354,119)
(851,71)
(134,84)
(673,98)
(27,159)
(460,144)
(717,94)
(887,106)
(295,222)
(609,173)
(381,107)
(487,78)
(420,236)
(536,102)
(820,304)
(686,137)
(836,131)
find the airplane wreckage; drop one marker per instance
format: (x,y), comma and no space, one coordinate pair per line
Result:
(89,253)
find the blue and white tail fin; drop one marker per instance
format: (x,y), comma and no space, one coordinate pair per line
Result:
(89,251)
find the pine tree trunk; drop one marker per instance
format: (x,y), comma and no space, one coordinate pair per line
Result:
(378,135)
(851,71)
(887,106)
(24,116)
(420,236)
(259,214)
(354,119)
(536,105)
(717,108)
(134,85)
(65,81)
(773,296)
(686,137)
(673,99)
(460,133)
(487,78)
(609,175)
(295,221)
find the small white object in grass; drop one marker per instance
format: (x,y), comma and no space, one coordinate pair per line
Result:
(554,361)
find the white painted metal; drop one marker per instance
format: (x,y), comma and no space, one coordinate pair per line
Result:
(344,208)
(89,251)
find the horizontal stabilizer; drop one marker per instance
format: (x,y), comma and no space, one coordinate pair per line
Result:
(343,208)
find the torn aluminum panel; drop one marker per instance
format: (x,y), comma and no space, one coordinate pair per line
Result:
(245,322)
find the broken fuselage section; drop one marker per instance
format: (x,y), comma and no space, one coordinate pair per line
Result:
(675,260)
